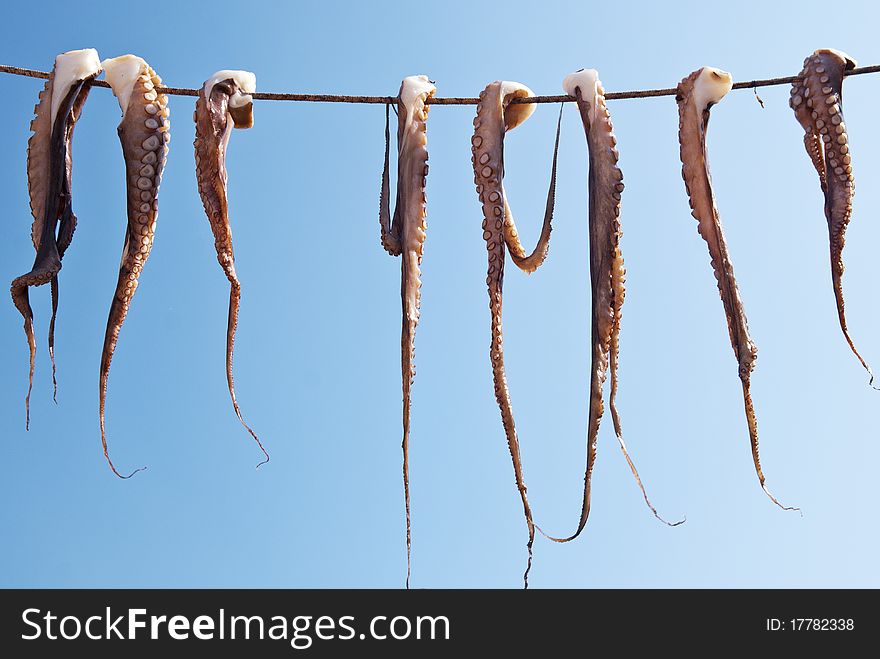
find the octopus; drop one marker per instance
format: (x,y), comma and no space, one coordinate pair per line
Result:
(224,102)
(497,113)
(696,94)
(607,271)
(403,234)
(817,99)
(49,171)
(144,134)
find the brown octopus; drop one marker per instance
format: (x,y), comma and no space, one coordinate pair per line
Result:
(144,134)
(49,169)
(224,102)
(404,235)
(497,113)
(696,94)
(607,271)
(817,100)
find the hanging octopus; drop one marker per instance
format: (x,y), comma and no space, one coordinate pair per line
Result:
(497,113)
(224,102)
(817,99)
(49,169)
(696,94)
(606,269)
(404,236)
(144,134)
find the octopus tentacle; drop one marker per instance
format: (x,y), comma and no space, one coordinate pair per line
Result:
(390,241)
(49,169)
(405,236)
(817,100)
(66,229)
(615,418)
(607,272)
(495,116)
(224,102)
(614,352)
(530,263)
(38,162)
(51,337)
(696,94)
(144,135)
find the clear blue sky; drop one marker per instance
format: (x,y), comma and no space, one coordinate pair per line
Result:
(317,360)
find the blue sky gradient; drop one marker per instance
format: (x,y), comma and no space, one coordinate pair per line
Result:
(317,359)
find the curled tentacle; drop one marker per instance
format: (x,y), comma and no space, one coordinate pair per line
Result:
(405,236)
(697,93)
(531,262)
(144,135)
(224,103)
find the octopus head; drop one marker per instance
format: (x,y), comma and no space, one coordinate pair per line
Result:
(121,74)
(515,113)
(587,82)
(711,86)
(238,86)
(413,88)
(70,67)
(848,62)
